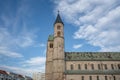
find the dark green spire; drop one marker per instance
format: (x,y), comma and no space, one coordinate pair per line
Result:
(58,19)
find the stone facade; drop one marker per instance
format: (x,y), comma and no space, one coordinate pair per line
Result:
(38,76)
(62,65)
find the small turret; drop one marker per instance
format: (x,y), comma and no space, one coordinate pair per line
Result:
(51,38)
(49,58)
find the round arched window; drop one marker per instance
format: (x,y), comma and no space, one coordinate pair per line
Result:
(51,45)
(58,33)
(58,27)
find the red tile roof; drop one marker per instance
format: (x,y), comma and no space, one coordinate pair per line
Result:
(3,72)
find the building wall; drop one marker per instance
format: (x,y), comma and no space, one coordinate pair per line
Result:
(104,66)
(37,76)
(42,76)
(4,77)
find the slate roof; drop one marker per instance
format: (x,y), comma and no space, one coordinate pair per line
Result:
(92,56)
(58,19)
(50,38)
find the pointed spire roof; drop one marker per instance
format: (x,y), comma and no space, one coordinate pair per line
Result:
(58,19)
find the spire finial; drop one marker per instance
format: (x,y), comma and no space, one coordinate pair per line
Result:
(58,19)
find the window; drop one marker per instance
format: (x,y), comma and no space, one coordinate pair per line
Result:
(58,33)
(92,66)
(105,66)
(105,77)
(98,66)
(51,45)
(58,27)
(112,66)
(85,66)
(71,66)
(114,78)
(90,77)
(79,66)
(98,78)
(82,77)
(118,66)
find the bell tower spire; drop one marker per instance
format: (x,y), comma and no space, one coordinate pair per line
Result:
(58,19)
(58,52)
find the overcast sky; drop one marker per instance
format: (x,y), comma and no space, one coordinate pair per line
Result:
(90,25)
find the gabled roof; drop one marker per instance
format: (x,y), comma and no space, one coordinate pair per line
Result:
(3,72)
(58,19)
(92,56)
(50,38)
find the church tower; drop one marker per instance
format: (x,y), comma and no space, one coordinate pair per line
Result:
(49,58)
(55,52)
(58,52)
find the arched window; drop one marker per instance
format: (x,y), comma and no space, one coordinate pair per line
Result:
(58,33)
(85,66)
(112,66)
(98,78)
(79,67)
(58,27)
(92,66)
(106,78)
(105,66)
(82,77)
(118,66)
(114,78)
(71,66)
(51,45)
(90,77)
(99,66)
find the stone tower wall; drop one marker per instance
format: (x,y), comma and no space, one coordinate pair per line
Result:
(49,61)
(58,55)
